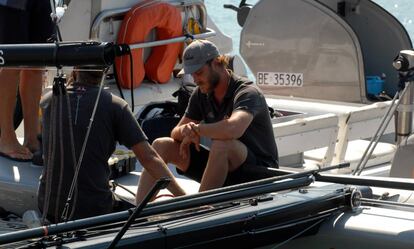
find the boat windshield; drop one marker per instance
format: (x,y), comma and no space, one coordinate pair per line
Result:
(401,9)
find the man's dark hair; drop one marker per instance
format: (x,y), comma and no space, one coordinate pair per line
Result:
(88,74)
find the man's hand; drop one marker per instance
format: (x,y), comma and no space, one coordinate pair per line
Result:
(187,130)
(195,128)
(187,141)
(190,136)
(185,147)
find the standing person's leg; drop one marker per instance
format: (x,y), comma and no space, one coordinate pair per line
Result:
(9,144)
(13,29)
(40,29)
(225,156)
(30,91)
(168,150)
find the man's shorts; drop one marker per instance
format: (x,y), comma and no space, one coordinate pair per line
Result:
(32,25)
(198,163)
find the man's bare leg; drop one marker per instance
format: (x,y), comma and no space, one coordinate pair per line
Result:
(31,82)
(168,150)
(8,141)
(225,156)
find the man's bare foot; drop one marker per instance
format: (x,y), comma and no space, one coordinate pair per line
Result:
(21,153)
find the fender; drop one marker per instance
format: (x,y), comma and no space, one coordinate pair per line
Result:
(137,24)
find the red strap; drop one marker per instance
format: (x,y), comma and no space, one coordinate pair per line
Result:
(164,195)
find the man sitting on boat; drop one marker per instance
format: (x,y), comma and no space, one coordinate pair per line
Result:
(229,110)
(63,144)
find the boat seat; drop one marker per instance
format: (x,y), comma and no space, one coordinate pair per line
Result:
(303,134)
(355,126)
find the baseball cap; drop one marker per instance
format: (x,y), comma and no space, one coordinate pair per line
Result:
(197,54)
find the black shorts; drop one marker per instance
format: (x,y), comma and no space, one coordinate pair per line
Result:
(198,163)
(32,25)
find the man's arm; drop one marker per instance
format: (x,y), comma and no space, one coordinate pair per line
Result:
(183,129)
(155,166)
(230,128)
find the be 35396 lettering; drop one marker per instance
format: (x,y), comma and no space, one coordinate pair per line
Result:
(280,79)
(1,58)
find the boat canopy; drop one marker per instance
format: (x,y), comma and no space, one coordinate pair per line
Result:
(303,48)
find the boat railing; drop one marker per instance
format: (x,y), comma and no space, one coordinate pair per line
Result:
(183,38)
(325,138)
(111,14)
(360,124)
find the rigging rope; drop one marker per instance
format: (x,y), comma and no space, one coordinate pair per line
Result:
(49,159)
(79,162)
(73,152)
(52,132)
(61,150)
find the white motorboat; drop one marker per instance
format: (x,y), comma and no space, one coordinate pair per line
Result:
(325,50)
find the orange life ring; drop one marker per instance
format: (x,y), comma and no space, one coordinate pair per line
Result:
(138,22)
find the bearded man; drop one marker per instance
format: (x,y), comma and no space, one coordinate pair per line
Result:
(229,110)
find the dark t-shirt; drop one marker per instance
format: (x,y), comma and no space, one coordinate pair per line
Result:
(113,122)
(242,94)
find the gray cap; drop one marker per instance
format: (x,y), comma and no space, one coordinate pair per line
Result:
(197,54)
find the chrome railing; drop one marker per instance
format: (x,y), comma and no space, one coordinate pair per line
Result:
(208,33)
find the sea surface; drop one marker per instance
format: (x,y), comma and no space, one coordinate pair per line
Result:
(226,19)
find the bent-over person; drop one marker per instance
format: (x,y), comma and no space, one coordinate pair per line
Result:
(113,122)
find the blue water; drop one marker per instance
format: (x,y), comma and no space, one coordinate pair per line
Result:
(403,10)
(226,19)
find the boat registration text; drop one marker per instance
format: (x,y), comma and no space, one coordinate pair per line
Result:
(280,79)
(1,58)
